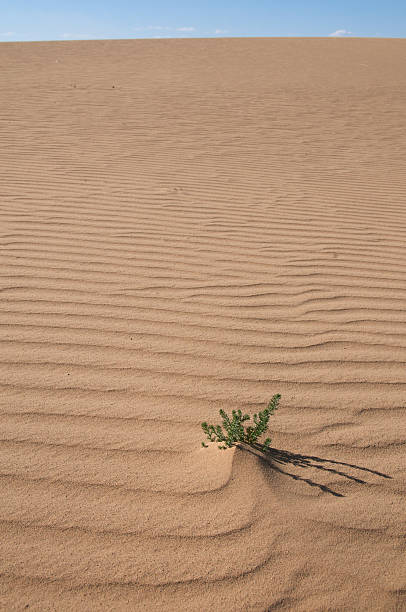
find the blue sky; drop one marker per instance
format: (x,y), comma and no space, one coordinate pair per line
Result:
(87,19)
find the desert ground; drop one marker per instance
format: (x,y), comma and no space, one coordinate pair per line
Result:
(190,225)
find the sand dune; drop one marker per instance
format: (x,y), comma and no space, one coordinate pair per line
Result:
(189,225)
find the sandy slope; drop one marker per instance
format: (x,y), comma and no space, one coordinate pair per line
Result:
(185,226)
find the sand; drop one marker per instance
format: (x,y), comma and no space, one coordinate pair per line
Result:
(189,225)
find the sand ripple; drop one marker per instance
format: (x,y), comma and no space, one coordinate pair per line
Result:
(187,226)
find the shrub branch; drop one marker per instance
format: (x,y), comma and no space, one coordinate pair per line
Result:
(236,432)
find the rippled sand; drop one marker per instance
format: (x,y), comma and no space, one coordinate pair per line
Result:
(188,225)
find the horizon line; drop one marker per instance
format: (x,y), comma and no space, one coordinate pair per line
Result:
(213,37)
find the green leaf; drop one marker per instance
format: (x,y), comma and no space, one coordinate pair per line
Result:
(234,429)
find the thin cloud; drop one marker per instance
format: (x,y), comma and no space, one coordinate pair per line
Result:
(218,31)
(7,34)
(83,36)
(339,33)
(160,28)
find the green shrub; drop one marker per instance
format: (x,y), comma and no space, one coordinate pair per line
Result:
(235,431)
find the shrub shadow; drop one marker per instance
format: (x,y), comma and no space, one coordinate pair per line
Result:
(275,457)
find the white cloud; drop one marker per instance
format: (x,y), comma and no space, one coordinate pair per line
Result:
(218,31)
(6,34)
(82,36)
(162,30)
(339,33)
